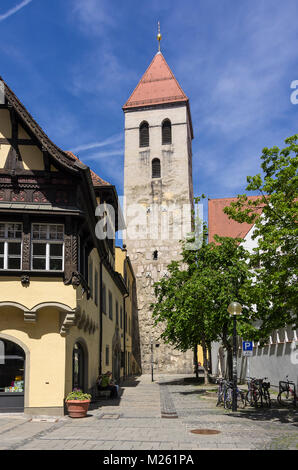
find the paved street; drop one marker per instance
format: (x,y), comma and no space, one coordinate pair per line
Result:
(155,416)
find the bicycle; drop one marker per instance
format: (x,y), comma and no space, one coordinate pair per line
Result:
(266,393)
(252,395)
(287,393)
(229,397)
(225,395)
(258,392)
(221,392)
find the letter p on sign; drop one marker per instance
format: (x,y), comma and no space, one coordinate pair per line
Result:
(247,348)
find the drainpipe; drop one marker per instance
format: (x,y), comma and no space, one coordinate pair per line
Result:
(100,317)
(124,339)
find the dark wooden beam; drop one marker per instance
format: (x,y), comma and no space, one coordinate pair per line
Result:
(13,160)
(26,243)
(3,140)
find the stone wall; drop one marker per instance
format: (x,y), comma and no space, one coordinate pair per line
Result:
(158,215)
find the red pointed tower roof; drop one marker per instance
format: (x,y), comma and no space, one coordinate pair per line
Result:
(157,86)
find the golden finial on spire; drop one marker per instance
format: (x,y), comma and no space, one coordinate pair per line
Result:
(158,37)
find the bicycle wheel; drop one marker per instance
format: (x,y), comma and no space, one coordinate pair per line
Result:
(219,398)
(228,399)
(267,399)
(285,398)
(248,398)
(240,399)
(256,399)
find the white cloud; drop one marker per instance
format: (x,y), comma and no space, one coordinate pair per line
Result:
(109,141)
(105,154)
(14,10)
(101,70)
(92,16)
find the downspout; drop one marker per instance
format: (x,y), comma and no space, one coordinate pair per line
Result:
(124,339)
(100,317)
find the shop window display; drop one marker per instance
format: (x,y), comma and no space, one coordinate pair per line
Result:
(12,367)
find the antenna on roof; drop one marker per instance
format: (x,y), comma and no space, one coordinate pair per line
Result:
(158,37)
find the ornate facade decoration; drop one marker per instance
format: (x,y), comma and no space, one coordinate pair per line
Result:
(25,280)
(39,196)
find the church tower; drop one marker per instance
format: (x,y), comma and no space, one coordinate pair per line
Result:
(158,193)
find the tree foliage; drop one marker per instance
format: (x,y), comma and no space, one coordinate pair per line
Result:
(275,258)
(192,300)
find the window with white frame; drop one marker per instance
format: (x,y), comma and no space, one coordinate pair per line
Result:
(47,251)
(11,245)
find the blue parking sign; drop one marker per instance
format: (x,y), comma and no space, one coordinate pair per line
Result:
(247,348)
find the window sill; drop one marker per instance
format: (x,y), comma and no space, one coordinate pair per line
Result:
(20,272)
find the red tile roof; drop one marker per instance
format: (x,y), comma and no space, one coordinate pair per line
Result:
(219,222)
(157,86)
(96,180)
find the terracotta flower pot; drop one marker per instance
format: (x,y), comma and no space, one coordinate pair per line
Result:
(77,408)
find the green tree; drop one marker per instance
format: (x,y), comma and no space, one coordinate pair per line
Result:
(275,214)
(192,300)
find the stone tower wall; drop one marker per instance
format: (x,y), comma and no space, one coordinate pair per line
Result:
(158,215)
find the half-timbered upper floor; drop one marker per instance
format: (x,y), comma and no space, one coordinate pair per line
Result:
(48,200)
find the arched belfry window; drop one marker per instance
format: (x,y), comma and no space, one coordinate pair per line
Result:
(155,168)
(166,132)
(144,134)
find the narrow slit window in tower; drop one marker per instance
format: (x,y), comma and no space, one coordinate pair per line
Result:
(144,134)
(156,168)
(166,132)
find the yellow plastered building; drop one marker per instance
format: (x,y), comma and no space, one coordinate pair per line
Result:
(62,302)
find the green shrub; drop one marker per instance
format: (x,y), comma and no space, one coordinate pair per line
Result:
(78,394)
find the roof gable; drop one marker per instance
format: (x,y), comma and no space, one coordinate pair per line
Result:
(28,125)
(157,86)
(96,180)
(219,222)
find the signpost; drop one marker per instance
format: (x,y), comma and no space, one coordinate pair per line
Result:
(247,350)
(152,359)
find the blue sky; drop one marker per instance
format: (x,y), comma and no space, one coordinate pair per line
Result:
(74,63)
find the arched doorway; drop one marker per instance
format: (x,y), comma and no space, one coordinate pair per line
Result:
(78,367)
(12,376)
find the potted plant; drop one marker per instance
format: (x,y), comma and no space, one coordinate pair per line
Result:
(77,403)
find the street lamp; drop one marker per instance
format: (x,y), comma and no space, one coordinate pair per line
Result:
(234,309)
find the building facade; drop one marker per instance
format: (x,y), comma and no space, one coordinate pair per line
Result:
(129,312)
(158,193)
(60,295)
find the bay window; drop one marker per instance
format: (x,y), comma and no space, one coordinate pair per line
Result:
(47,250)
